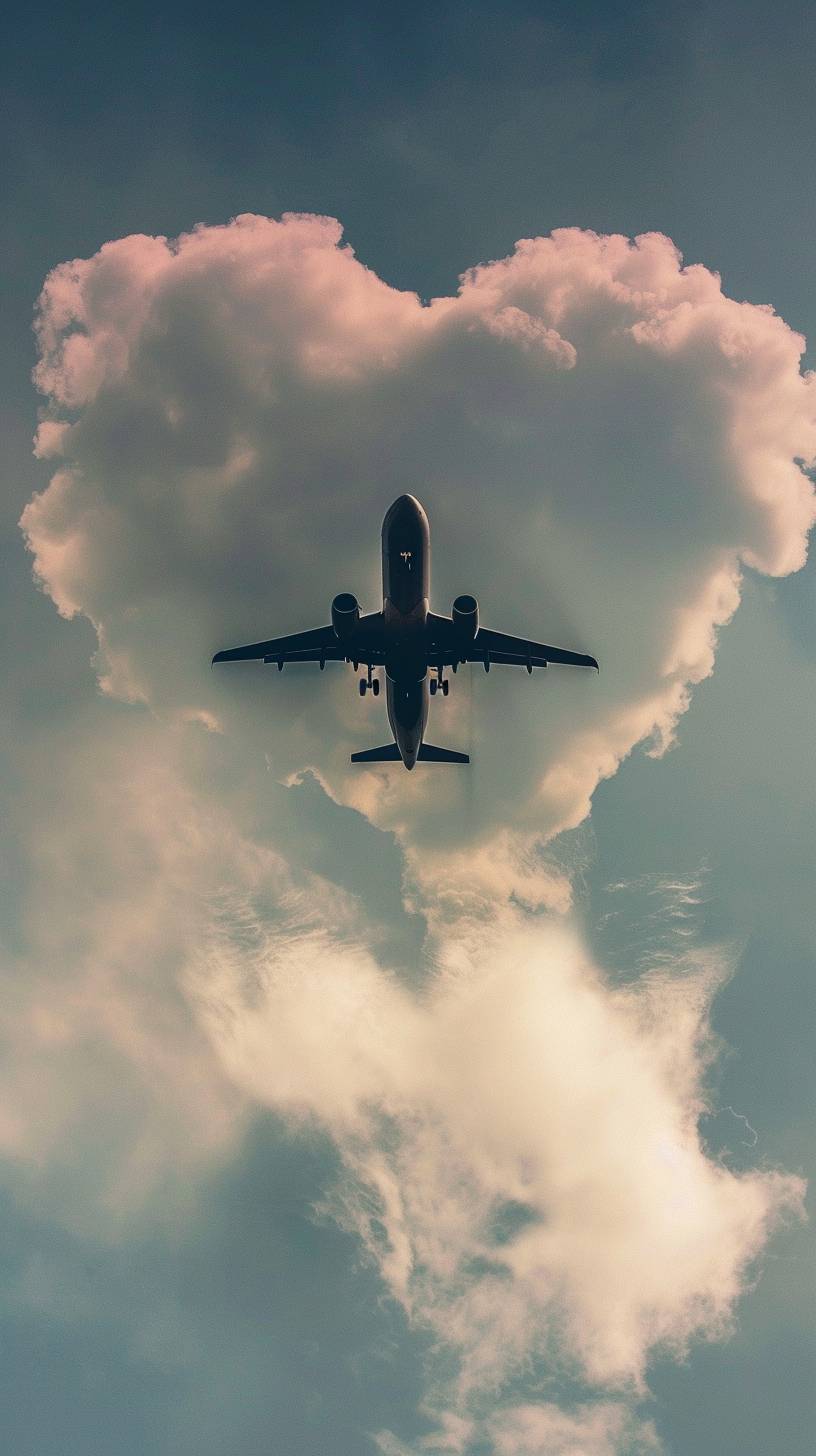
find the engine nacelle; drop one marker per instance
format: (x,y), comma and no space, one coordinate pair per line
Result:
(345,614)
(465,613)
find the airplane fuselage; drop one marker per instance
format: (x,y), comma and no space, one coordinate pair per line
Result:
(406,571)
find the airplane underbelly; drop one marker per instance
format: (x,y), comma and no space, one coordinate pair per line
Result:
(407,703)
(406,651)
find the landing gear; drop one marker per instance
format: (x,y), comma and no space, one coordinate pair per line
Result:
(371,682)
(439,684)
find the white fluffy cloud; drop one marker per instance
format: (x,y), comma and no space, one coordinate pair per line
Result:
(602,440)
(522,1144)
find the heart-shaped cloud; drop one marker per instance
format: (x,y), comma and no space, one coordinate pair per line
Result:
(601,437)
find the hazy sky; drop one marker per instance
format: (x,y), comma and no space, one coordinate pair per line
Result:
(347,1112)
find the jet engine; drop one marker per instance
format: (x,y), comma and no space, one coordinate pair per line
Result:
(465,613)
(345,614)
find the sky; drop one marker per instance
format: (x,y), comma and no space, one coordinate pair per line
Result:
(365,1112)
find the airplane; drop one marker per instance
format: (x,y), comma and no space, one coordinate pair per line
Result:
(408,640)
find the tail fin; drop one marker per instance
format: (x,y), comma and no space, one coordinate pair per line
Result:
(429,754)
(389,753)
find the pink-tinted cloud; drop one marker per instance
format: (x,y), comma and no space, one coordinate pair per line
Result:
(601,436)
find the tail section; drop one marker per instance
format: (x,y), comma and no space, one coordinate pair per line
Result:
(429,754)
(389,753)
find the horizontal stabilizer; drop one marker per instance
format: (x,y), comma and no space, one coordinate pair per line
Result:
(429,754)
(389,753)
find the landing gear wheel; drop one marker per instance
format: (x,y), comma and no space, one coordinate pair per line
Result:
(445,687)
(433,685)
(375,687)
(363,687)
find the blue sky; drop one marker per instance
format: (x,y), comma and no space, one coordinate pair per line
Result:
(214,1309)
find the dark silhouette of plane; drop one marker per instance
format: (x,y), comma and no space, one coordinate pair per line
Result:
(408,640)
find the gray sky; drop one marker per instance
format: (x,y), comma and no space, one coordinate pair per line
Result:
(191,1258)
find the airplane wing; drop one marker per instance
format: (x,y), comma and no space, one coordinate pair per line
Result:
(319,645)
(488,647)
(518,651)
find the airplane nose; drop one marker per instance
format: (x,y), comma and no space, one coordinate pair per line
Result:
(405,507)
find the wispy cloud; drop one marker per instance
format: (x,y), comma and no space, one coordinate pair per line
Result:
(521,1143)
